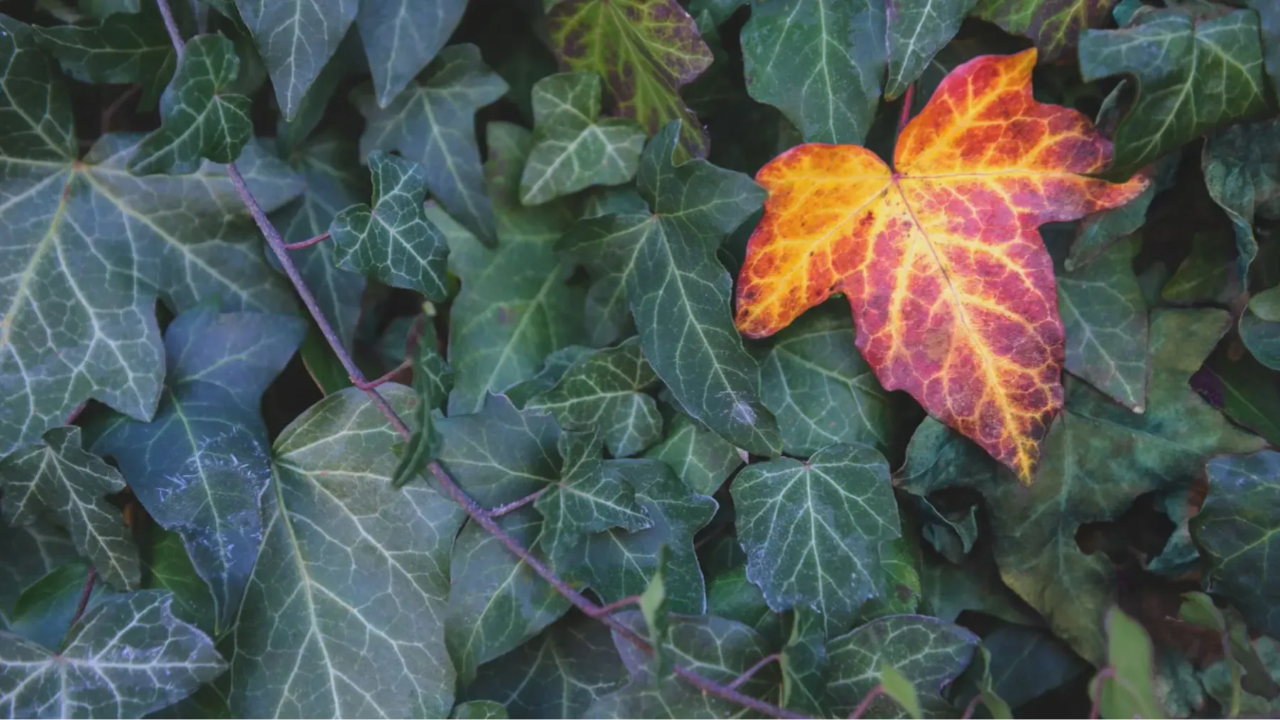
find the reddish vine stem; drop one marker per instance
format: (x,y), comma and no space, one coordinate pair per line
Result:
(1103,675)
(972,707)
(516,504)
(751,671)
(907,99)
(370,384)
(865,705)
(84,596)
(617,605)
(308,242)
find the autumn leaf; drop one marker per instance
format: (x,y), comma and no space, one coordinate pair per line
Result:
(951,287)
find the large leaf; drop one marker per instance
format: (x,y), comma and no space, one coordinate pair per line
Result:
(402,36)
(127,657)
(1099,457)
(351,582)
(59,481)
(433,123)
(812,531)
(1054,25)
(201,465)
(702,459)
(928,652)
(296,38)
(679,291)
(1236,529)
(1193,74)
(644,49)
(393,240)
(1242,172)
(96,246)
(572,147)
(515,307)
(953,299)
(500,454)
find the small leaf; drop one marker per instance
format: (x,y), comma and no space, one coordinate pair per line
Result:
(1262,338)
(61,482)
(393,241)
(1131,692)
(812,531)
(1242,172)
(702,459)
(296,39)
(1172,55)
(201,119)
(499,454)
(573,148)
(433,124)
(122,48)
(1055,26)
(402,36)
(901,690)
(657,615)
(1266,305)
(432,381)
(127,657)
(603,390)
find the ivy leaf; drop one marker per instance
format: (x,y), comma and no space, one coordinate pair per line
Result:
(352,579)
(1234,530)
(393,241)
(1105,319)
(604,390)
(917,30)
(1242,173)
(699,457)
(201,465)
(478,710)
(928,652)
(79,329)
(823,392)
(433,124)
(617,563)
(402,36)
(496,601)
(554,368)
(60,481)
(1055,26)
(514,308)
(587,499)
(573,148)
(839,220)
(804,664)
(1262,338)
(1172,55)
(200,118)
(500,454)
(1027,662)
(1269,16)
(812,531)
(27,554)
(1099,458)
(296,38)
(45,610)
(646,50)
(732,596)
(432,381)
(1131,692)
(127,657)
(656,611)
(558,674)
(169,567)
(679,291)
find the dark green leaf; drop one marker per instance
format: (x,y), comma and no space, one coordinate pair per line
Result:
(1054,25)
(45,610)
(1262,338)
(573,148)
(170,568)
(1207,275)
(122,48)
(26,555)
(702,459)
(554,368)
(656,611)
(812,531)
(432,381)
(433,123)
(478,710)
(59,481)
(732,596)
(402,36)
(1242,172)
(127,657)
(917,30)
(1027,662)
(393,241)
(500,454)
(804,664)
(201,465)
(1193,74)
(296,39)
(347,61)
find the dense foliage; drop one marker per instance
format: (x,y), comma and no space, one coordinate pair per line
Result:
(427,358)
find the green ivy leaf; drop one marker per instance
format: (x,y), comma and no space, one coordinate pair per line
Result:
(573,148)
(45,610)
(402,36)
(558,674)
(1262,338)
(812,531)
(604,390)
(500,454)
(927,652)
(57,480)
(646,50)
(432,381)
(296,38)
(514,308)
(1098,458)
(352,578)
(1206,275)
(1105,318)
(554,368)
(732,596)
(201,465)
(1242,172)
(1055,26)
(804,664)
(1027,662)
(127,657)
(169,568)
(656,611)
(1173,56)
(1234,530)
(26,555)
(478,710)
(1266,304)
(701,458)
(201,119)
(1099,231)
(393,241)
(917,30)
(1131,693)
(433,124)
(496,601)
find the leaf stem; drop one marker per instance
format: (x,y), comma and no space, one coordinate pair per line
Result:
(972,707)
(307,243)
(908,98)
(370,384)
(865,705)
(175,36)
(517,504)
(89,580)
(751,671)
(617,605)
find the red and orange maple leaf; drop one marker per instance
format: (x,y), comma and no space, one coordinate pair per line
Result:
(952,290)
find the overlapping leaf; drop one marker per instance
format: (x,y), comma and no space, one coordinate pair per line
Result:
(644,49)
(1055,26)
(1242,173)
(98,245)
(951,288)
(296,38)
(699,457)
(351,584)
(1193,74)
(402,36)
(432,381)
(433,123)
(122,48)
(201,465)
(500,454)
(127,657)
(679,291)
(26,555)
(59,481)
(572,147)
